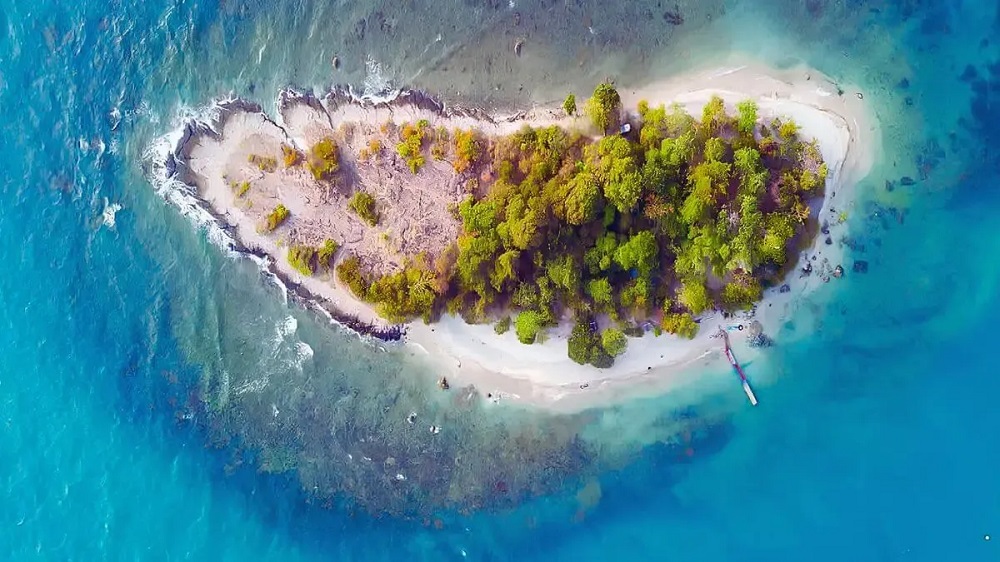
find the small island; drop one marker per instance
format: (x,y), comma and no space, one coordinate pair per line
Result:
(594,224)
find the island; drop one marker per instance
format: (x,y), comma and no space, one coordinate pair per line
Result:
(619,230)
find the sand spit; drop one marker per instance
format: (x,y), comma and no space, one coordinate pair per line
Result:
(209,157)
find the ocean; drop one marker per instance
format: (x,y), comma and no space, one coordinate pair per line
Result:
(160,399)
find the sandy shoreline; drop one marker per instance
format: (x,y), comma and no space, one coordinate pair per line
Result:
(499,366)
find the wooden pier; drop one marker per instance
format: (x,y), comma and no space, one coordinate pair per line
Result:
(738,369)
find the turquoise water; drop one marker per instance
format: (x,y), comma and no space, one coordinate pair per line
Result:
(142,366)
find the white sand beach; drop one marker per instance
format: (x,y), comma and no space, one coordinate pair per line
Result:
(499,366)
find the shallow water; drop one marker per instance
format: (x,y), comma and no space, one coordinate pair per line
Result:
(143,366)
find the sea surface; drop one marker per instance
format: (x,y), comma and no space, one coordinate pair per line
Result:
(160,399)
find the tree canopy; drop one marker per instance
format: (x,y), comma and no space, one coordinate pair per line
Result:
(676,218)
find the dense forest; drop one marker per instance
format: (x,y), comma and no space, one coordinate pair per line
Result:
(662,217)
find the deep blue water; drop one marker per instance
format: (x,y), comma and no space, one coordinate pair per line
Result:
(876,440)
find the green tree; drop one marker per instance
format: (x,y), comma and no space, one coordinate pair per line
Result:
(778,230)
(603,106)
(614,341)
(746,117)
(564,273)
(569,106)
(582,342)
(505,269)
(682,324)
(600,291)
(747,161)
(601,256)
(527,325)
(694,296)
(713,115)
(639,252)
(715,149)
(582,199)
(741,293)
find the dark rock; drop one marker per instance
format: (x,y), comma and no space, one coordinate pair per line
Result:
(673,17)
(838,272)
(889,186)
(808,268)
(906,181)
(860,266)
(828,241)
(825,229)
(860,96)
(969,74)
(443,383)
(909,101)
(784,288)
(903,84)
(756,336)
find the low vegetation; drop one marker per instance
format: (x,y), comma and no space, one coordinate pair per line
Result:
(411,145)
(291,156)
(263,163)
(240,188)
(275,218)
(309,260)
(363,204)
(323,161)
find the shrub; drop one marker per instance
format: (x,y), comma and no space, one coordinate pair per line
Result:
(614,342)
(527,326)
(788,130)
(302,258)
(363,205)
(263,163)
(440,147)
(603,106)
(405,294)
(502,326)
(569,106)
(275,218)
(323,159)
(241,188)
(349,273)
(325,253)
(291,156)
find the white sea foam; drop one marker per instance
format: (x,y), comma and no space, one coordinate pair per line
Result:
(110,210)
(174,191)
(378,88)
